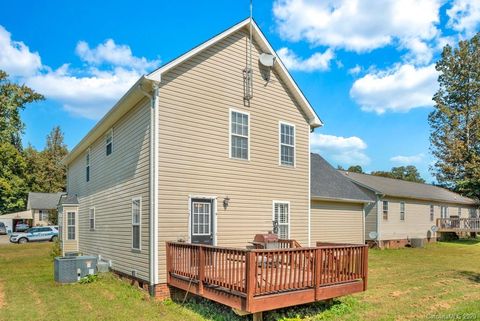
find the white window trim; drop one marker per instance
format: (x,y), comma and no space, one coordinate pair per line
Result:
(139,224)
(289,213)
(90,218)
(383,210)
(280,144)
(87,165)
(213,198)
(230,133)
(74,226)
(109,133)
(404,211)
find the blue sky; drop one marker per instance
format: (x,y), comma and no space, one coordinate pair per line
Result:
(367,67)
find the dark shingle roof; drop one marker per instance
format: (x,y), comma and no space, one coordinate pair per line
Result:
(401,188)
(44,201)
(68,199)
(328,183)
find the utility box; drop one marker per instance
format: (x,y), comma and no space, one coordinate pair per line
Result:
(417,242)
(70,269)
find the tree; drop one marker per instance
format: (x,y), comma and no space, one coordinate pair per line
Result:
(13,99)
(407,173)
(455,120)
(355,169)
(13,186)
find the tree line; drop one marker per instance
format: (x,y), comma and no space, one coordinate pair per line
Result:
(27,169)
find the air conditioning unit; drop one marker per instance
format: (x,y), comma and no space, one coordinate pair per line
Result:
(70,269)
(417,242)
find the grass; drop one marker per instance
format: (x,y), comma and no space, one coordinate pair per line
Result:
(441,282)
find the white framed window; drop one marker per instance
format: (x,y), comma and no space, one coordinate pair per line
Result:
(239,134)
(43,215)
(71,226)
(459,212)
(91,218)
(281,216)
(385,210)
(87,166)
(402,211)
(136,222)
(472,212)
(444,212)
(201,214)
(432,213)
(287,144)
(109,142)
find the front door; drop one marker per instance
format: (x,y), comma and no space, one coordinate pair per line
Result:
(202,221)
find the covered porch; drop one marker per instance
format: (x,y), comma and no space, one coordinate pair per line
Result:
(457,225)
(256,280)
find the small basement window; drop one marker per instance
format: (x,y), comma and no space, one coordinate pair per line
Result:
(402,211)
(109,142)
(385,210)
(287,144)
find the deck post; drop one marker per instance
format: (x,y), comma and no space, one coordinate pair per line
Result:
(250,279)
(365,268)
(169,263)
(318,265)
(201,269)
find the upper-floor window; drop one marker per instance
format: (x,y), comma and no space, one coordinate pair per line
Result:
(385,210)
(239,135)
(444,212)
(432,212)
(109,142)
(402,211)
(91,218)
(136,222)
(87,166)
(287,144)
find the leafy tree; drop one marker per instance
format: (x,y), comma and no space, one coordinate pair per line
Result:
(407,173)
(455,121)
(355,169)
(13,186)
(13,99)
(340,168)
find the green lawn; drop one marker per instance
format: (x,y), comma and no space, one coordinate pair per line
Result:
(441,282)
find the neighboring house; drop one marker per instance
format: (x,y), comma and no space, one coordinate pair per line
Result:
(338,205)
(40,204)
(184,155)
(406,210)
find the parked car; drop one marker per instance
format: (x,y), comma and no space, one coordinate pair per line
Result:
(3,228)
(34,234)
(21,227)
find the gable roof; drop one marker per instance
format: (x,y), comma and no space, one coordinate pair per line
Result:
(68,199)
(43,201)
(145,83)
(400,188)
(326,183)
(260,39)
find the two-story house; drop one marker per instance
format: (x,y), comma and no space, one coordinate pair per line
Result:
(212,148)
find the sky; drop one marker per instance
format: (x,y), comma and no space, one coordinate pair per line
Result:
(367,67)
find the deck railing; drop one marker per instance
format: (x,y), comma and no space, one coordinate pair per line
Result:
(253,273)
(455,224)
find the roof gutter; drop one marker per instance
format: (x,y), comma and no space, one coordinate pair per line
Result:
(339,199)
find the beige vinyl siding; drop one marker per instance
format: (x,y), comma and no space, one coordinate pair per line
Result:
(114,181)
(336,222)
(195,102)
(370,219)
(417,222)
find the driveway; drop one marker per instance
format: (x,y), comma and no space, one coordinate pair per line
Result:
(4,239)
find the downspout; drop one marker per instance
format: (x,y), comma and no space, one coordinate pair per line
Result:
(153,191)
(363,222)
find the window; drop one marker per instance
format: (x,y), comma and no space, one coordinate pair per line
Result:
(459,212)
(136,221)
(201,218)
(109,142)
(71,226)
(281,216)
(472,212)
(87,167)
(239,133)
(287,144)
(385,210)
(444,212)
(432,213)
(43,215)
(402,211)
(91,218)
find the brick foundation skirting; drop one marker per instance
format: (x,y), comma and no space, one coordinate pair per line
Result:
(142,284)
(395,244)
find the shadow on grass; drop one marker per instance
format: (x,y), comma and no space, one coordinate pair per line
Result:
(470,241)
(472,276)
(219,312)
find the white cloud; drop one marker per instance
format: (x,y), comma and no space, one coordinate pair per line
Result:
(355,70)
(16,58)
(357,25)
(419,52)
(408,160)
(316,62)
(345,150)
(464,16)
(109,71)
(399,89)
(111,53)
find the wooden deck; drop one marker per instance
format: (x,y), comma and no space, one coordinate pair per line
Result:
(458,225)
(255,280)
